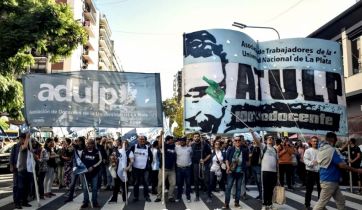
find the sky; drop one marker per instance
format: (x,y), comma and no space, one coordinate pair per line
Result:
(148,33)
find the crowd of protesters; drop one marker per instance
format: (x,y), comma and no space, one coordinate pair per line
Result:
(220,164)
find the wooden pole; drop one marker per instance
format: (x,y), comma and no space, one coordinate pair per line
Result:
(163,167)
(350,173)
(34,173)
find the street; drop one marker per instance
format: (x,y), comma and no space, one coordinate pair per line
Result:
(295,200)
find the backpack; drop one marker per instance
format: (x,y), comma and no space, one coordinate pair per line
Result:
(264,150)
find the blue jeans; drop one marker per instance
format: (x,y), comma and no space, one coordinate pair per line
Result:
(257,175)
(237,178)
(183,175)
(94,183)
(72,185)
(21,186)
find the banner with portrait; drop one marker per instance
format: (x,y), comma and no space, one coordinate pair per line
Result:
(287,85)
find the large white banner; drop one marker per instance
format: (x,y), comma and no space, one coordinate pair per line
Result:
(93,99)
(293,85)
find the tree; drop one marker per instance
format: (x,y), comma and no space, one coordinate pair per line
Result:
(174,111)
(179,130)
(29,27)
(3,123)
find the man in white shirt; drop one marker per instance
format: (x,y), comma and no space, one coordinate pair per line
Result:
(183,172)
(312,171)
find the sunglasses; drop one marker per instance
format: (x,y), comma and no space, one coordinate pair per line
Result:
(237,140)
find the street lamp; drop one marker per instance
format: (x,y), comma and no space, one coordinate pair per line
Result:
(242,26)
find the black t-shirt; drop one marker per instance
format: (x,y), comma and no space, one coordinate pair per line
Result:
(196,152)
(255,156)
(354,151)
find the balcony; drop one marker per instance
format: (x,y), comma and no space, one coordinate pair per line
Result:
(106,43)
(89,27)
(89,16)
(103,56)
(89,11)
(86,56)
(353,84)
(106,51)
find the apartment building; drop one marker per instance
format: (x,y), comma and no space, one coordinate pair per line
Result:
(177,86)
(97,54)
(346,29)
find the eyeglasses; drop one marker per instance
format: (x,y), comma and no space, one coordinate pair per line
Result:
(237,140)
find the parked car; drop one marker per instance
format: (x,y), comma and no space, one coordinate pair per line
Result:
(5,155)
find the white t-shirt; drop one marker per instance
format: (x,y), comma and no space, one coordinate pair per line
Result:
(269,161)
(310,155)
(214,165)
(183,156)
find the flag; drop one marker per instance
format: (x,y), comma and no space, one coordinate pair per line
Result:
(131,137)
(214,90)
(80,168)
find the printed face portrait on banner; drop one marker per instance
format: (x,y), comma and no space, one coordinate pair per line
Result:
(291,85)
(206,59)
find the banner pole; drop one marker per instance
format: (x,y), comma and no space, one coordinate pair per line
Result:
(126,175)
(86,185)
(34,174)
(349,163)
(237,117)
(163,167)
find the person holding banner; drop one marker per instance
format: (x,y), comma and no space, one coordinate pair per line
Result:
(49,176)
(331,164)
(142,162)
(92,158)
(355,157)
(201,153)
(18,165)
(170,164)
(78,166)
(269,168)
(120,158)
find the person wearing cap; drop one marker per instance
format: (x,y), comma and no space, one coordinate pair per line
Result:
(21,177)
(183,169)
(170,164)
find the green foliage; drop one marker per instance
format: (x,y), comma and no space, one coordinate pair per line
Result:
(40,26)
(11,96)
(179,130)
(3,124)
(174,111)
(29,27)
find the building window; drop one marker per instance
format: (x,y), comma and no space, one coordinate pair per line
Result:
(58,66)
(356,55)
